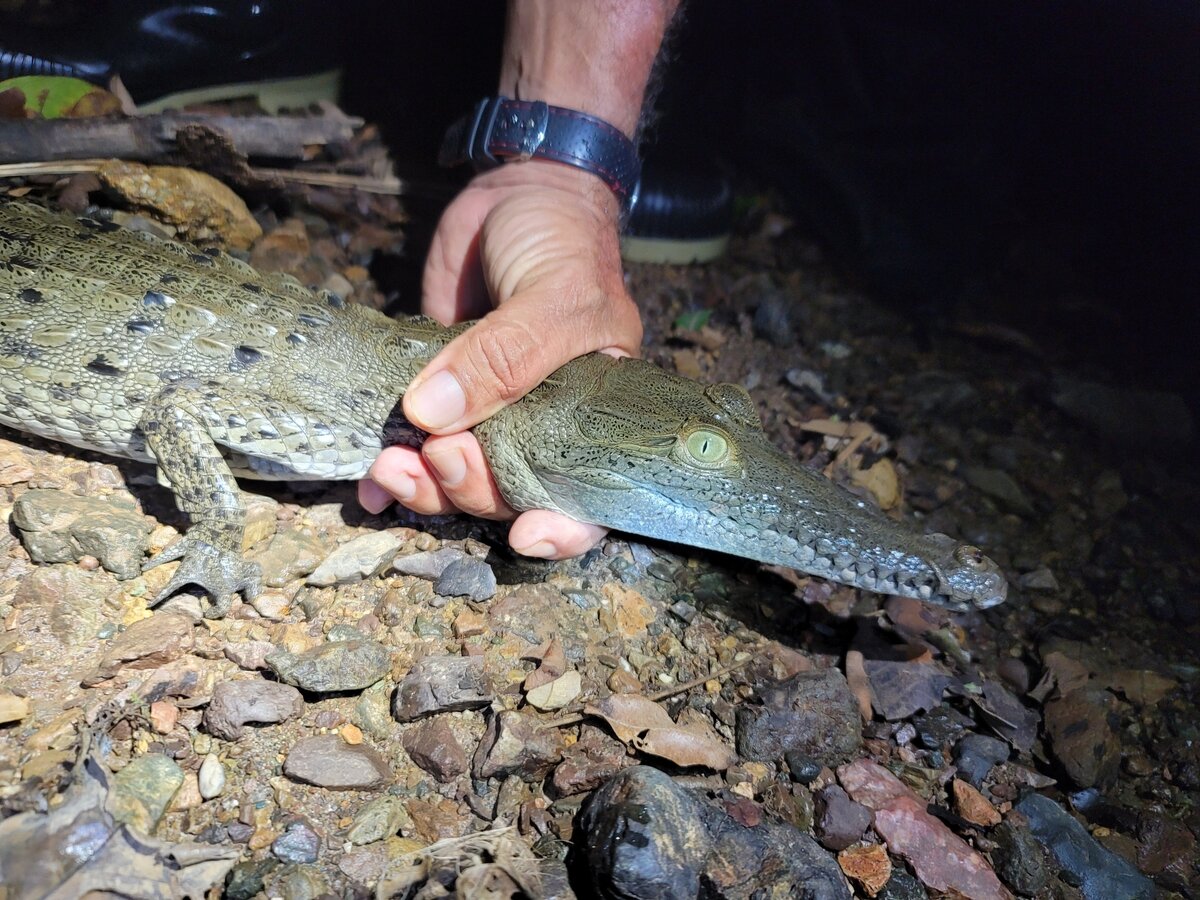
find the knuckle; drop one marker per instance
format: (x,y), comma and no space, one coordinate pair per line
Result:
(501,355)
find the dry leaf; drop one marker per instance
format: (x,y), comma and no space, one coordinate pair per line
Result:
(557,693)
(644,725)
(552,664)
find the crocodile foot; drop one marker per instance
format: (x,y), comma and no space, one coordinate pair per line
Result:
(220,573)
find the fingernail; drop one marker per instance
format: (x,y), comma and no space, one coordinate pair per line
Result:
(439,402)
(540,549)
(399,485)
(372,497)
(450,464)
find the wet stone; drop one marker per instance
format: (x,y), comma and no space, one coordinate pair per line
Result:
(467,577)
(142,790)
(357,559)
(58,527)
(234,703)
(1018,857)
(433,746)
(516,744)
(333,666)
(381,818)
(329,762)
(814,713)
(840,821)
(976,754)
(643,837)
(298,844)
(442,684)
(804,769)
(1099,873)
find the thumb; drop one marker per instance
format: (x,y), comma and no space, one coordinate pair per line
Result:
(511,351)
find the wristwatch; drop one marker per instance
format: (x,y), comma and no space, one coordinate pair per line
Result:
(500,129)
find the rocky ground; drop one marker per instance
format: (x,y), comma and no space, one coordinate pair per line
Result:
(411,711)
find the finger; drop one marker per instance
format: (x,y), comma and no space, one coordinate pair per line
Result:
(463,475)
(403,475)
(373,498)
(452,286)
(512,350)
(551,535)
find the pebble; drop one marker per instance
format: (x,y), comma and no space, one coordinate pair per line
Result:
(211,777)
(840,821)
(940,858)
(814,713)
(298,844)
(1019,859)
(1099,873)
(1081,736)
(442,684)
(59,527)
(12,708)
(516,744)
(297,882)
(74,600)
(141,791)
(289,555)
(327,761)
(902,886)
(382,817)
(234,703)
(999,485)
(644,837)
(868,867)
(427,564)
(245,880)
(1041,579)
(434,747)
(146,644)
(467,577)
(356,559)
(250,655)
(589,762)
(976,754)
(333,666)
(803,769)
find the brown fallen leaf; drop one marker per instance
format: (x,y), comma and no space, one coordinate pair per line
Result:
(552,664)
(860,684)
(644,725)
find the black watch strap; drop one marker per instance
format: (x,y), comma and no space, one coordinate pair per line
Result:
(500,129)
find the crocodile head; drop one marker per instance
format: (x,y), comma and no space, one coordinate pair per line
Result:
(627,445)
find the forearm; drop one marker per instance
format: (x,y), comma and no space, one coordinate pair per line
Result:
(595,57)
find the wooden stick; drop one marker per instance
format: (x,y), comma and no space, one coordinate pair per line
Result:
(151,138)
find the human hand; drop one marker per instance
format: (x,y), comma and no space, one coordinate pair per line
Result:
(540,241)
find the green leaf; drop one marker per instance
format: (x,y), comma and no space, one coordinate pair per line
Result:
(694,320)
(56,97)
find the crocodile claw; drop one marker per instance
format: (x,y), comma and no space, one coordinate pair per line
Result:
(219,572)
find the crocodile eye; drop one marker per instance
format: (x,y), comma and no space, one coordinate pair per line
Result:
(706,447)
(970,556)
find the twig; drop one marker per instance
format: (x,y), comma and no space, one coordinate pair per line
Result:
(151,138)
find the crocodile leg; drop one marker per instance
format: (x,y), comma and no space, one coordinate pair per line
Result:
(179,428)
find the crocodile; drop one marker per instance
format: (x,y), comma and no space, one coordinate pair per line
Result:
(132,345)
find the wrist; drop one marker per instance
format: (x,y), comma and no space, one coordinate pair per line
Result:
(591,57)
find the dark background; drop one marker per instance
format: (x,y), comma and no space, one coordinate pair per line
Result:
(1034,164)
